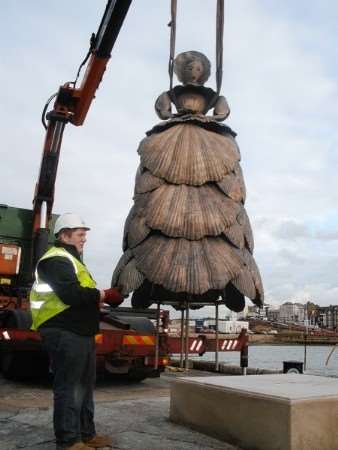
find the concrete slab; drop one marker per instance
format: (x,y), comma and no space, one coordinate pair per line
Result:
(261,412)
(138,424)
(135,415)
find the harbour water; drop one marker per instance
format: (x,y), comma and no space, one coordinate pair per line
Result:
(272,357)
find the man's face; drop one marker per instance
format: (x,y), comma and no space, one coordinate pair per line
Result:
(78,238)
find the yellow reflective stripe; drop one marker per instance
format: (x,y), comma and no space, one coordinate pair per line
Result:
(149,340)
(62,253)
(52,252)
(126,340)
(73,261)
(130,339)
(35,304)
(42,288)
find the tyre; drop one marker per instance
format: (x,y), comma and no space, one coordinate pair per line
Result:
(12,364)
(19,365)
(293,366)
(293,370)
(137,375)
(19,319)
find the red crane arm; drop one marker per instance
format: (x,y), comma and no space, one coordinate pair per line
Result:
(71,105)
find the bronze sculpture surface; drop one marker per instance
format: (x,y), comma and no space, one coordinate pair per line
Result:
(187,236)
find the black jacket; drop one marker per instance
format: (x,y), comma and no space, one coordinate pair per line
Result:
(83,315)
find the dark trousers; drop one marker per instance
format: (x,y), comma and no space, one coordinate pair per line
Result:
(73,364)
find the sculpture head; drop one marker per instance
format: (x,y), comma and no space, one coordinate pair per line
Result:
(192,68)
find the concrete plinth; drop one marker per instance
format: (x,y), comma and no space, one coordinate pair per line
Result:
(261,412)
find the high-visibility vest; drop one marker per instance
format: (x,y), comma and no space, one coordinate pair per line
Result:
(44,303)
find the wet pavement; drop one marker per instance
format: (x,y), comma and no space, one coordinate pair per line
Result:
(136,415)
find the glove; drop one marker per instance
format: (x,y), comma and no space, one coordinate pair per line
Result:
(113,297)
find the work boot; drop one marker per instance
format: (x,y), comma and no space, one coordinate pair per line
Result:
(100,440)
(76,446)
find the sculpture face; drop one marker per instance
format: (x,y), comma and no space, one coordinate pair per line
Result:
(193,71)
(192,68)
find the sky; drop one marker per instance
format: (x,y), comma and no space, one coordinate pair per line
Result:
(280,80)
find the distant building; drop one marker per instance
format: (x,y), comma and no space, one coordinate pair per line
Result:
(256,312)
(175,325)
(224,326)
(273,313)
(292,312)
(253,311)
(328,317)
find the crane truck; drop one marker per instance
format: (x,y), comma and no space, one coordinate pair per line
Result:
(128,344)
(131,343)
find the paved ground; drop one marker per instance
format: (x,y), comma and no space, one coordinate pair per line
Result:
(136,415)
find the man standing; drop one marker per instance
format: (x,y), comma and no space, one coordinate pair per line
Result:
(65,307)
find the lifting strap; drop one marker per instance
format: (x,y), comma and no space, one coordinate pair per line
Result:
(172,25)
(219,45)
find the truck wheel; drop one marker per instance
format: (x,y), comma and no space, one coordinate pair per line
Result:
(19,365)
(136,378)
(124,377)
(133,376)
(10,364)
(137,375)
(19,319)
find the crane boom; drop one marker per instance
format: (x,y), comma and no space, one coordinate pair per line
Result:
(71,105)
(104,41)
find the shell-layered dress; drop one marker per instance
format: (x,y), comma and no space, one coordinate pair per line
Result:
(187,237)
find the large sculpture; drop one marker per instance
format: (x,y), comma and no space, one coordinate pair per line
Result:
(188,236)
